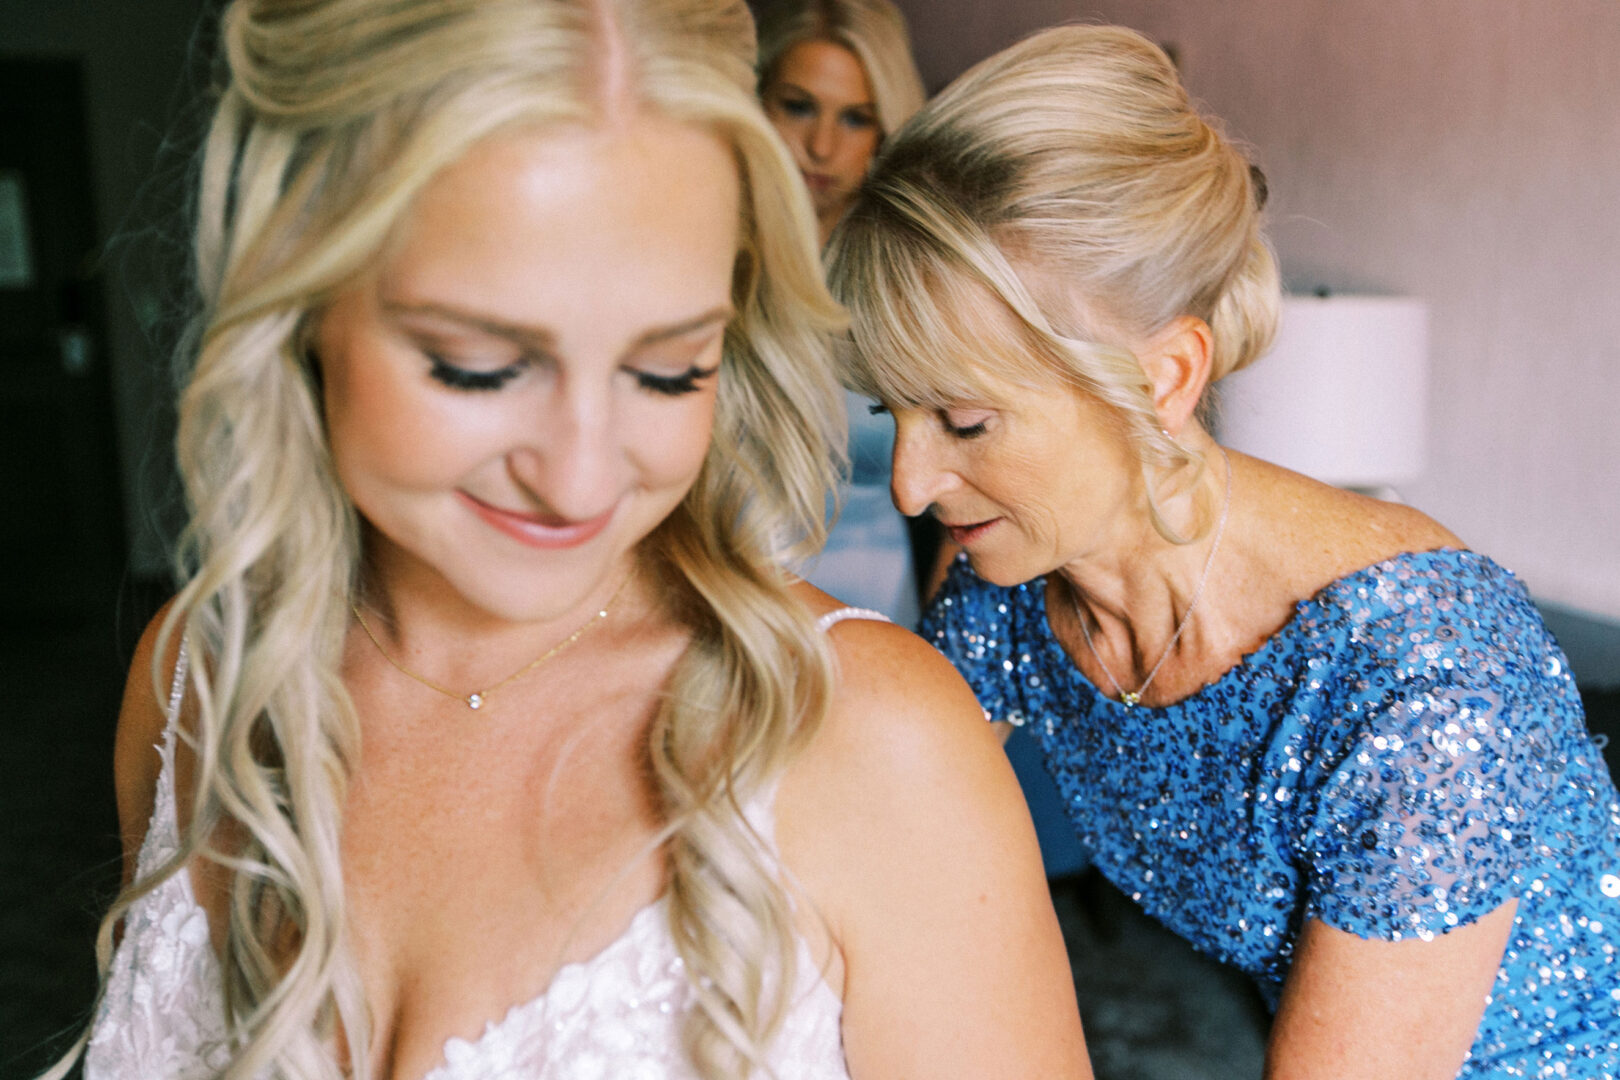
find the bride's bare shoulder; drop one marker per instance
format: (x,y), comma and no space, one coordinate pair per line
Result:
(903,741)
(885,668)
(902,821)
(142,718)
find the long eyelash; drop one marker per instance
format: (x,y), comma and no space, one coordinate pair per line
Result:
(459,378)
(674,385)
(971,431)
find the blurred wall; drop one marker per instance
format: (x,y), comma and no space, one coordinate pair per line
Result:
(1463,151)
(134,55)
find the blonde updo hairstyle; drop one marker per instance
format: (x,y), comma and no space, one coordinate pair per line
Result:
(1071,165)
(873,30)
(333,116)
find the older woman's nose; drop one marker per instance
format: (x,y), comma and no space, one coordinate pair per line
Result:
(919,478)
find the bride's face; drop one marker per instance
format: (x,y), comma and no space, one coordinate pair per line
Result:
(525,386)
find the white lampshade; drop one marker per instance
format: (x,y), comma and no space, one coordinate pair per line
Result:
(1341,396)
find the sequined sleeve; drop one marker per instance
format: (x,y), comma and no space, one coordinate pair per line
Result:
(1461,710)
(970,622)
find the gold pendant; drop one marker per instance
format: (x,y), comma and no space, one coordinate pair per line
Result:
(475,701)
(1126,698)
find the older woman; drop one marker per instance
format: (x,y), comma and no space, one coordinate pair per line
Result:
(1309,731)
(490,738)
(835,77)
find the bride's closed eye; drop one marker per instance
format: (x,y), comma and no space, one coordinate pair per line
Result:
(462,378)
(687,382)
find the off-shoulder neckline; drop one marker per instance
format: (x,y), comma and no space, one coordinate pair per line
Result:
(1321,600)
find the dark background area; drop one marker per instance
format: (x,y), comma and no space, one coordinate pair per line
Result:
(90,508)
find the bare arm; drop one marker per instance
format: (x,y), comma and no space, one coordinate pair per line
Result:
(1353,1008)
(907,826)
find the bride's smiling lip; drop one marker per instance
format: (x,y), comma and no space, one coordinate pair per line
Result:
(536,529)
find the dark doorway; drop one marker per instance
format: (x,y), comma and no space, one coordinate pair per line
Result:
(61,535)
(62,549)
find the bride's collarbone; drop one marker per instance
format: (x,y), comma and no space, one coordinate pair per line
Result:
(460,915)
(482,851)
(448,962)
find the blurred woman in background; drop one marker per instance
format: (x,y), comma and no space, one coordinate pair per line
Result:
(836,77)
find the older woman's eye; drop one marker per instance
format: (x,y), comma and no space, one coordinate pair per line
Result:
(965,424)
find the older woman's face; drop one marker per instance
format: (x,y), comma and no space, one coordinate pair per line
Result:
(1026,480)
(821,102)
(525,386)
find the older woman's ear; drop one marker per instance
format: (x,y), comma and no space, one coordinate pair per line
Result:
(1176,360)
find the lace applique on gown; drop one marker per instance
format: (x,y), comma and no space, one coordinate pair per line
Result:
(162,1014)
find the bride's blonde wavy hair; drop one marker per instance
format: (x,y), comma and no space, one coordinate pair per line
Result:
(1071,165)
(334,115)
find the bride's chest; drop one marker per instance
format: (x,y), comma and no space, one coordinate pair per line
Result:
(476,873)
(471,882)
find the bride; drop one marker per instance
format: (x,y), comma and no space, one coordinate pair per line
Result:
(485,736)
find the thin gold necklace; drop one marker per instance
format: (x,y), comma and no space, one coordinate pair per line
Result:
(476,699)
(1129,698)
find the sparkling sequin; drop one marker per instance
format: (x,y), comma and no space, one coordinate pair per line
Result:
(1406,755)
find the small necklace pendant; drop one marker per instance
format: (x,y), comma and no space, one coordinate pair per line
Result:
(1126,698)
(475,701)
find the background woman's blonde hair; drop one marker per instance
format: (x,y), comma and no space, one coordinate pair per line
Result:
(874,30)
(332,117)
(1058,199)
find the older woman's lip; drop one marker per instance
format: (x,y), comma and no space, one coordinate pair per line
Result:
(963,535)
(538,530)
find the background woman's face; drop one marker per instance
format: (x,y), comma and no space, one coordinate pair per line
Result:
(821,102)
(525,386)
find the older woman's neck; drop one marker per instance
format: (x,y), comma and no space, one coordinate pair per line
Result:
(1136,581)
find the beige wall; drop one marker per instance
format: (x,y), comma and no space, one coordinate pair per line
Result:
(1463,151)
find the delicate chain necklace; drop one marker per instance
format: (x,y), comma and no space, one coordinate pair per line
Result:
(1129,698)
(476,699)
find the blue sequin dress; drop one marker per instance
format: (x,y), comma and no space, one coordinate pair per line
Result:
(1405,755)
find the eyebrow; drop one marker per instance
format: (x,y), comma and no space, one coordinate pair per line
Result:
(540,337)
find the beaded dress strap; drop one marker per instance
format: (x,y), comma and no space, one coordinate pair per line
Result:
(177,693)
(833,618)
(163,830)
